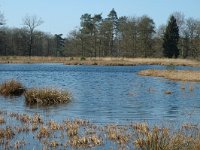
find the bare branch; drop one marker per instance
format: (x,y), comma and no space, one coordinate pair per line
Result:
(32,22)
(2,20)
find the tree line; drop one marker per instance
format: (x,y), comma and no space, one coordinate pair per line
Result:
(27,41)
(112,36)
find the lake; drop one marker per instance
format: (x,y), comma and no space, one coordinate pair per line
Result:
(106,94)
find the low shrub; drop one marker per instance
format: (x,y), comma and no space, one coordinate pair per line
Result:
(11,88)
(46,96)
(82,58)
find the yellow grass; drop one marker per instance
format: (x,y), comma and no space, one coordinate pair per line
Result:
(182,75)
(118,61)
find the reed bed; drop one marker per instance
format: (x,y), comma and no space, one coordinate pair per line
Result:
(46,96)
(162,139)
(23,131)
(11,88)
(181,75)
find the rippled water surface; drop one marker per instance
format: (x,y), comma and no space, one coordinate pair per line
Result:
(106,94)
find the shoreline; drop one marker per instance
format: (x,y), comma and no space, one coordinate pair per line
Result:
(100,61)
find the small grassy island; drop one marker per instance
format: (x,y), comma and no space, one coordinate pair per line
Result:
(11,88)
(181,75)
(39,96)
(46,96)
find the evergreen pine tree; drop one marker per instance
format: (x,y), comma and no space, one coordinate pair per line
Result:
(171,38)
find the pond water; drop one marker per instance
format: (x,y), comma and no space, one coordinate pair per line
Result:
(106,94)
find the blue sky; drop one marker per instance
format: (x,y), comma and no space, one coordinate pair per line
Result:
(62,16)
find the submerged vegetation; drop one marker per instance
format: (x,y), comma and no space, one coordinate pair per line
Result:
(46,96)
(182,75)
(18,129)
(11,88)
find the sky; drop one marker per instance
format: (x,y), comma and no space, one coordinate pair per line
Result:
(63,16)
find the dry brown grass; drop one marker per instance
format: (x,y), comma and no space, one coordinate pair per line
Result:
(2,120)
(55,135)
(34,59)
(161,138)
(43,132)
(117,134)
(119,61)
(165,61)
(109,61)
(46,96)
(182,75)
(11,88)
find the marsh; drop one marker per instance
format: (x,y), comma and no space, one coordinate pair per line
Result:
(106,94)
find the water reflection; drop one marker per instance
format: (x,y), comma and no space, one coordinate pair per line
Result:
(105,94)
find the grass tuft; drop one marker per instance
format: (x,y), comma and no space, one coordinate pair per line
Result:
(46,96)
(11,88)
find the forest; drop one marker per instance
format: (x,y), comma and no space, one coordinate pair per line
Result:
(113,36)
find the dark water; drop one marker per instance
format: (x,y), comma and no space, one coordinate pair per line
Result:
(106,94)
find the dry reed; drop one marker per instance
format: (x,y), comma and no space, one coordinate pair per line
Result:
(11,88)
(161,138)
(52,135)
(46,96)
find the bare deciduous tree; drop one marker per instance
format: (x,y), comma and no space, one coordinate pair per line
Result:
(2,19)
(31,22)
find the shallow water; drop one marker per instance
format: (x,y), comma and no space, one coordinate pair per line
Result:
(106,94)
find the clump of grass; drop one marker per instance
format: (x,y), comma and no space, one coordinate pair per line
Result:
(72,128)
(117,134)
(11,88)
(2,120)
(152,139)
(168,92)
(85,141)
(54,144)
(46,96)
(37,119)
(162,139)
(54,125)
(43,132)
(9,133)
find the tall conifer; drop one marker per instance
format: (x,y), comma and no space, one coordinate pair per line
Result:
(171,38)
